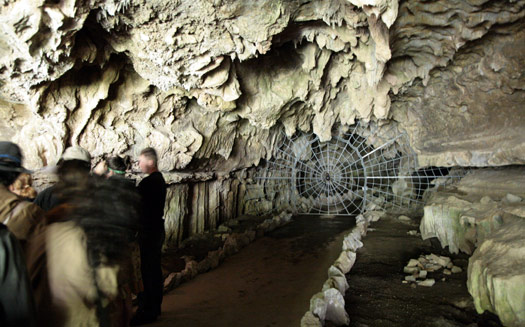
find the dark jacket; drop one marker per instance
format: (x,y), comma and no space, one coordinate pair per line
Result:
(47,199)
(17,307)
(152,190)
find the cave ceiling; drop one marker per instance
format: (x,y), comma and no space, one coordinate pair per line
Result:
(212,83)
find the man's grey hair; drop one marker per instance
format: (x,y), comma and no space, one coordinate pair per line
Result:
(151,154)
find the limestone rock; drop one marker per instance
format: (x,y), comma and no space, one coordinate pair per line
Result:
(440,260)
(335,308)
(373,215)
(362,224)
(456,269)
(352,241)
(410,270)
(404,219)
(204,265)
(410,278)
(318,306)
(215,258)
(337,280)
(231,246)
(175,210)
(511,198)
(309,320)
(173,280)
(345,261)
(427,282)
(496,274)
(413,233)
(460,218)
(413,263)
(191,270)
(442,220)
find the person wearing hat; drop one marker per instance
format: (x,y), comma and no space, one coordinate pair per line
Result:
(21,217)
(75,163)
(16,298)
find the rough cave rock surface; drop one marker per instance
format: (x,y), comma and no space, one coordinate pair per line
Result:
(496,274)
(211,83)
(464,215)
(484,215)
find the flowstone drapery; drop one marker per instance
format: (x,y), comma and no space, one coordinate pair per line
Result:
(344,175)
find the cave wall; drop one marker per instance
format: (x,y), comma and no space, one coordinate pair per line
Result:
(471,112)
(210,83)
(197,203)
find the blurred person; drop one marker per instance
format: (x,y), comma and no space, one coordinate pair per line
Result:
(22,187)
(75,159)
(114,166)
(17,307)
(21,217)
(74,262)
(152,190)
(114,169)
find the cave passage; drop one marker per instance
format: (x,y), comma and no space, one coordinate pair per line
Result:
(268,283)
(378,297)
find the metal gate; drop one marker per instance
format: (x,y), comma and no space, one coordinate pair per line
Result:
(344,175)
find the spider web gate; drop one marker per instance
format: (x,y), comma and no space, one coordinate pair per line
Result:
(348,174)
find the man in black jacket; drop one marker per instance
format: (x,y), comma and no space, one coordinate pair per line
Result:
(152,190)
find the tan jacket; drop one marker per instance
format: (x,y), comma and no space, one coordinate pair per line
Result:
(21,217)
(65,289)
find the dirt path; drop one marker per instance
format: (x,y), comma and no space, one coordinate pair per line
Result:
(377,296)
(269,283)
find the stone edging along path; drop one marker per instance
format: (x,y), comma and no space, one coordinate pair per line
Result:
(233,243)
(329,304)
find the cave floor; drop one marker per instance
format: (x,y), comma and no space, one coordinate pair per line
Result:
(377,297)
(268,283)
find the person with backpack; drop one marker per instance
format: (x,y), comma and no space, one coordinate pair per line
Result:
(74,262)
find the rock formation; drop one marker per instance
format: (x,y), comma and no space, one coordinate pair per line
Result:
(463,216)
(213,80)
(484,215)
(496,274)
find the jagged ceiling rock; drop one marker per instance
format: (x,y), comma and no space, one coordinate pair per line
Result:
(37,42)
(471,112)
(427,35)
(181,43)
(212,80)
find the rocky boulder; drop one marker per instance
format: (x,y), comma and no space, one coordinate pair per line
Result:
(496,274)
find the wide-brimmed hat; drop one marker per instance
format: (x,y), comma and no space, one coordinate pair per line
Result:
(11,158)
